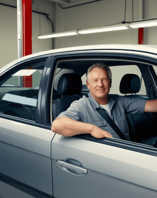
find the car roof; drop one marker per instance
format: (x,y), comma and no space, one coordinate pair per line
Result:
(139,48)
(144,48)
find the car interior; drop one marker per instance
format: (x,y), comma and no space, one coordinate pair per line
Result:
(16,100)
(68,87)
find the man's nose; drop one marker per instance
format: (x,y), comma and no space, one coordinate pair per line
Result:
(100,83)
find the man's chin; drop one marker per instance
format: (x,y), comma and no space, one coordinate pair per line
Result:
(102,95)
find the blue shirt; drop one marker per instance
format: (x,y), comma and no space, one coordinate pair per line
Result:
(84,110)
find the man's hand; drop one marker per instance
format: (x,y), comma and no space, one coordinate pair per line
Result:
(99,133)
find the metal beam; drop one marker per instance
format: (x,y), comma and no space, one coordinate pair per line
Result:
(19,36)
(61,1)
(73,1)
(27,35)
(140,16)
(27,26)
(19,28)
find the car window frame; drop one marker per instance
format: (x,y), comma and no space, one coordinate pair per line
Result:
(141,58)
(139,65)
(122,144)
(15,67)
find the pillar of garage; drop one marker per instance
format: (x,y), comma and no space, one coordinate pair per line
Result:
(27,35)
(140,35)
(140,16)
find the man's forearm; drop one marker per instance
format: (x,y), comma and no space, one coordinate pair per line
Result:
(151,106)
(69,127)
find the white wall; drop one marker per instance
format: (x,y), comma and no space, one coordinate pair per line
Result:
(105,12)
(95,14)
(150,11)
(8,29)
(101,13)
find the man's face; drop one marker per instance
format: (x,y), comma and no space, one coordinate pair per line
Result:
(98,83)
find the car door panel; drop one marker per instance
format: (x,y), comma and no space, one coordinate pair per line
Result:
(27,154)
(20,134)
(112,171)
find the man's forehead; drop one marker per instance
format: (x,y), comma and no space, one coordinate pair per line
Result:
(96,71)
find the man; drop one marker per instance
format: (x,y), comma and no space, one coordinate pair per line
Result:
(82,116)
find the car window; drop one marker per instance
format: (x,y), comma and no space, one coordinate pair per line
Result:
(14,80)
(84,85)
(155,68)
(19,90)
(117,73)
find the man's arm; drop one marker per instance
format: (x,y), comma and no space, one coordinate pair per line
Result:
(151,106)
(69,127)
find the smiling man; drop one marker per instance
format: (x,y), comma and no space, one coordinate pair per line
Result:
(82,116)
(99,84)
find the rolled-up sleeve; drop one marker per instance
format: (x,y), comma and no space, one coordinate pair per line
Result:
(133,105)
(74,112)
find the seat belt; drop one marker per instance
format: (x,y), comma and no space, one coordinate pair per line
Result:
(104,114)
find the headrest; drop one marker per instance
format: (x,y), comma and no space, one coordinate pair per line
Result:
(130,83)
(69,84)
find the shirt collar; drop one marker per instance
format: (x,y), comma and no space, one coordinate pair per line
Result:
(96,105)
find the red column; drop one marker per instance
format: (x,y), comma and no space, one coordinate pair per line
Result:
(140,35)
(27,35)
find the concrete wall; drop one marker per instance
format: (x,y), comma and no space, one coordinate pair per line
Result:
(8,28)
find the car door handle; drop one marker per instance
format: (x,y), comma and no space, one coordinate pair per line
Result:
(71,168)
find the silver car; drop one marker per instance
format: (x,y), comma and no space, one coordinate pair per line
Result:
(36,162)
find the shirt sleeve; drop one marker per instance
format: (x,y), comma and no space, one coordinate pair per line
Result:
(133,105)
(74,111)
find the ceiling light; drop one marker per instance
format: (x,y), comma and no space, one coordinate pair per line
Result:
(104,29)
(144,23)
(60,34)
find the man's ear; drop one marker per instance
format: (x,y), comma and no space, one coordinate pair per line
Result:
(110,83)
(87,83)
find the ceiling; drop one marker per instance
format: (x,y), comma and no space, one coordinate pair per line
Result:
(71,3)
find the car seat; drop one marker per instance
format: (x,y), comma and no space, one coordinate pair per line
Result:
(69,89)
(142,127)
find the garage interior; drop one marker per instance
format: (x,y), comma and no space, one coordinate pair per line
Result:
(60,16)
(68,15)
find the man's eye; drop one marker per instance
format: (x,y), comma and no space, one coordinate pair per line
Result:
(95,80)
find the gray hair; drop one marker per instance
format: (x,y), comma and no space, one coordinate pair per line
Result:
(101,66)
